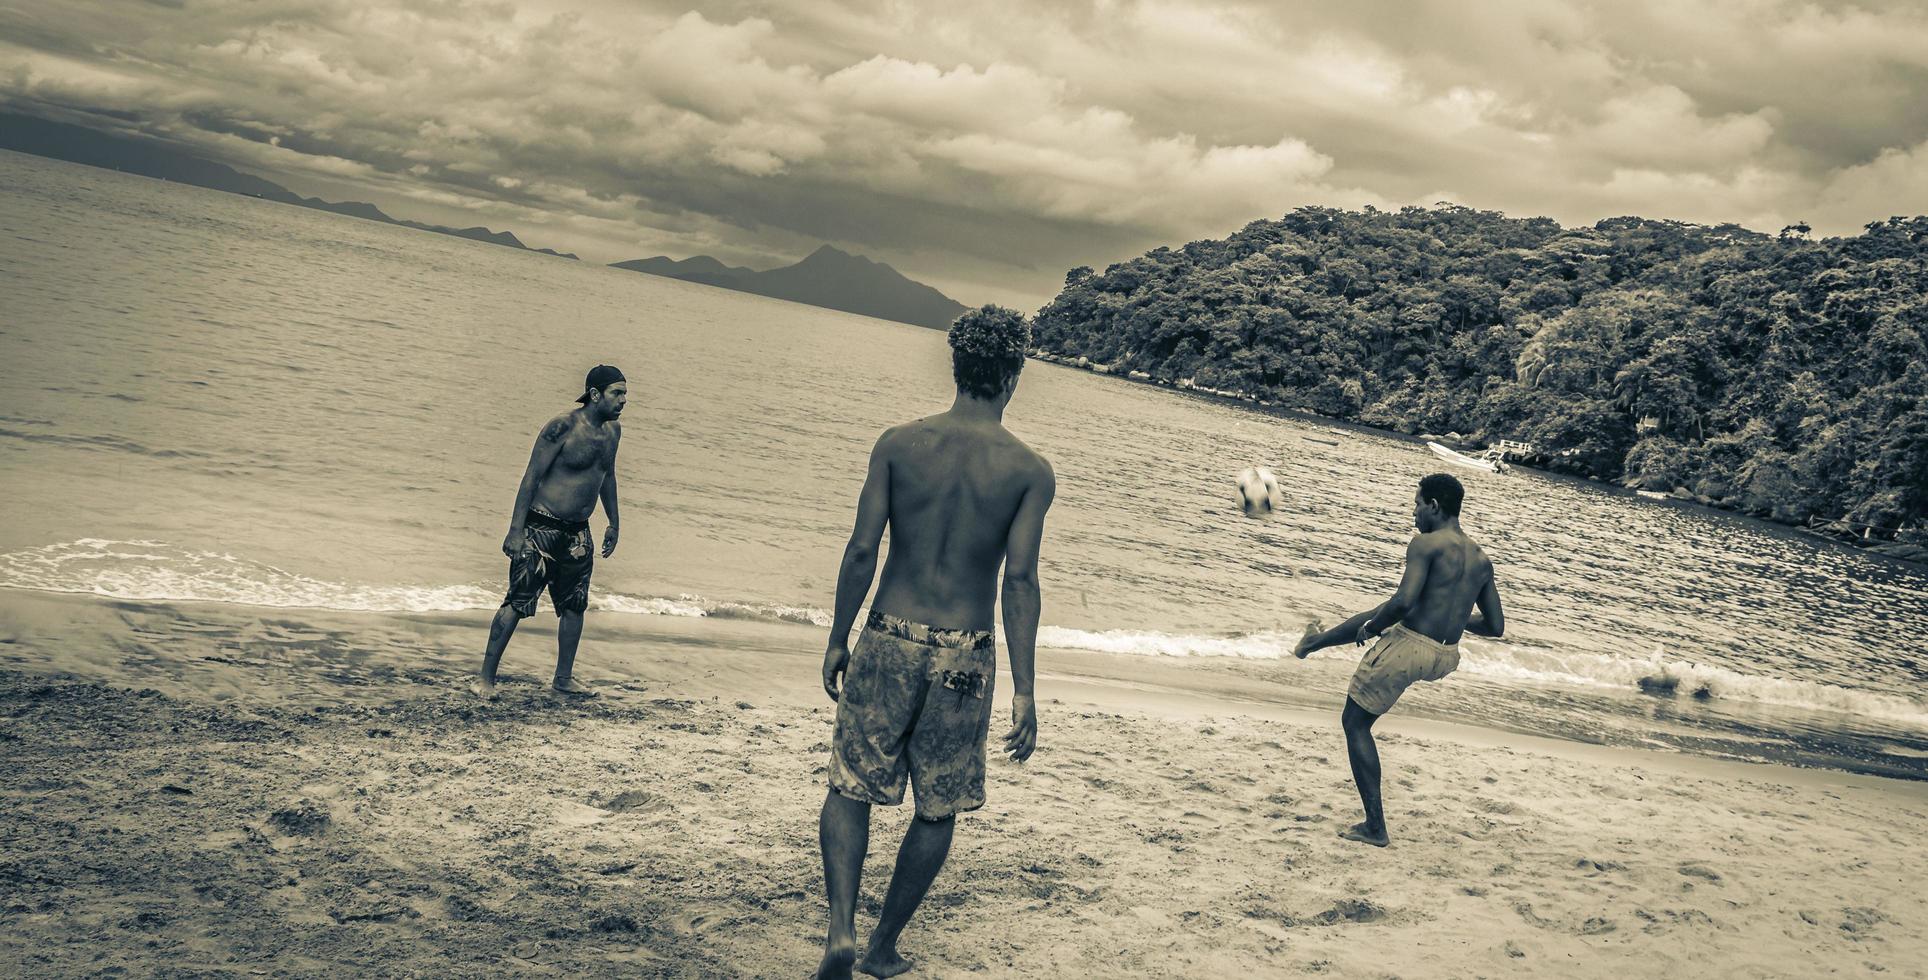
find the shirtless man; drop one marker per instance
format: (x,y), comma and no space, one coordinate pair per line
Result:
(573,464)
(1446,575)
(961,495)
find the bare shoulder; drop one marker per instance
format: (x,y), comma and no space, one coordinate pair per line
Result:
(894,438)
(896,444)
(556,428)
(1028,464)
(1043,476)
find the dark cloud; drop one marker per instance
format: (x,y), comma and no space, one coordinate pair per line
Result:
(987,147)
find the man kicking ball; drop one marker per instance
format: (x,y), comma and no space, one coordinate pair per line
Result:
(1446,575)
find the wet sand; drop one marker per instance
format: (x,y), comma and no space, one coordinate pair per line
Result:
(227,790)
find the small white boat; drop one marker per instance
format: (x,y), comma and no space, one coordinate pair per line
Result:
(1651,494)
(1461,458)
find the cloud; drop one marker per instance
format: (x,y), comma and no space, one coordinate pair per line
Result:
(920,94)
(1661,126)
(988,147)
(1895,183)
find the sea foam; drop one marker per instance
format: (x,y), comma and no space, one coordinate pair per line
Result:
(157,571)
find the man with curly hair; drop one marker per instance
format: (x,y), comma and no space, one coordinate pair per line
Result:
(961,496)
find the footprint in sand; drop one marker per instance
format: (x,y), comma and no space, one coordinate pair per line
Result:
(1494,806)
(1668,919)
(1700,871)
(696,922)
(1858,923)
(1104,785)
(1351,910)
(572,814)
(1594,926)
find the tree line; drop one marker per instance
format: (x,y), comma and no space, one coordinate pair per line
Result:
(1774,374)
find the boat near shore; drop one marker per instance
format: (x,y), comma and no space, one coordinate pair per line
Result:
(1461,459)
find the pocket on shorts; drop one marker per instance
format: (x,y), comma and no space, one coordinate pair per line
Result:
(1377,654)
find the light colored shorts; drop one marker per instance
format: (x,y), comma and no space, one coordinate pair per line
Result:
(1400,658)
(916,706)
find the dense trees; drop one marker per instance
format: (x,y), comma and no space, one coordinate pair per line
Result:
(1776,374)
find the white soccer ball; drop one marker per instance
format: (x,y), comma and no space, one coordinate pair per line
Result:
(1258,492)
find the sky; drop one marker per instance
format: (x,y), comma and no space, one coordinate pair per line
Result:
(987,147)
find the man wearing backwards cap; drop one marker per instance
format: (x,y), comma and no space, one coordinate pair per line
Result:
(572,465)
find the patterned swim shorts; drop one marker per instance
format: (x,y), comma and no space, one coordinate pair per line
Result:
(1400,658)
(916,705)
(554,553)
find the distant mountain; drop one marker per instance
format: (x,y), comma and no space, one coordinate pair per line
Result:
(699,268)
(828,277)
(77,144)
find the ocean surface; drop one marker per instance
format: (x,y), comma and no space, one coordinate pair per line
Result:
(209,397)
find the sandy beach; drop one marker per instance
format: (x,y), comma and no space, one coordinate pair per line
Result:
(219,790)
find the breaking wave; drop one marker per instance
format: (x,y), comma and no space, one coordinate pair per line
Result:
(156,571)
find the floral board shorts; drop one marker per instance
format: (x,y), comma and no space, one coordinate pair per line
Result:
(1400,658)
(916,706)
(557,554)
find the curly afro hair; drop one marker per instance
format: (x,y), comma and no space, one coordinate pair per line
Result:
(987,350)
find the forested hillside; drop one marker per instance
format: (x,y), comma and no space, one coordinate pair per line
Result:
(1778,375)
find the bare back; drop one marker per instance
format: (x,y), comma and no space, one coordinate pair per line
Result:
(1456,572)
(955,487)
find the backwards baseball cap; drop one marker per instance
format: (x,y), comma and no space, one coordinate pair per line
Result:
(601,376)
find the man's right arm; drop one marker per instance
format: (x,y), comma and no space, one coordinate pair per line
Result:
(1021,598)
(548,444)
(1490,620)
(859,567)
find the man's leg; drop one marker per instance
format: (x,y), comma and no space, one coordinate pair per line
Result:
(843,831)
(569,593)
(1346,632)
(926,845)
(1365,772)
(500,630)
(568,635)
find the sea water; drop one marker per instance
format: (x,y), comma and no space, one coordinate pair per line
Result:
(206,396)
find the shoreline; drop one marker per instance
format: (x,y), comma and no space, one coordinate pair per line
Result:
(220,789)
(1891,550)
(1303,692)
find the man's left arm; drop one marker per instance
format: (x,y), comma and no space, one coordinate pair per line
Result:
(1021,599)
(609,493)
(1411,586)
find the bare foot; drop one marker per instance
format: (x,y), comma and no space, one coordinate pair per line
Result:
(1312,629)
(883,963)
(570,686)
(482,687)
(838,954)
(1363,835)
